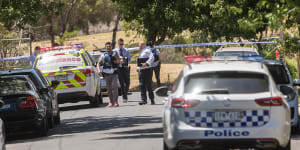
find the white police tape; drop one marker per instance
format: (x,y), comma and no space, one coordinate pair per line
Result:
(19,58)
(208,44)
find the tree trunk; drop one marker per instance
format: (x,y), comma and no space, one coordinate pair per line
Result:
(115,31)
(51,32)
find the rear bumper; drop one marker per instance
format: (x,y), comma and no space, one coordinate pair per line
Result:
(72,97)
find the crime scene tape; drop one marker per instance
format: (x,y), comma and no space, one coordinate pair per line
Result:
(19,58)
(207,44)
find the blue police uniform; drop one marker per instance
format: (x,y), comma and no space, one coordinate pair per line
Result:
(156,69)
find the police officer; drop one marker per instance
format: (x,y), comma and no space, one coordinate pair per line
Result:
(37,51)
(144,63)
(157,59)
(110,61)
(124,70)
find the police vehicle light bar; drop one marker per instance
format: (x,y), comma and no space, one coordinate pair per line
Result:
(199,59)
(74,46)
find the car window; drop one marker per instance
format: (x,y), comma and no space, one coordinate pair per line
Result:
(227,82)
(43,79)
(90,58)
(14,85)
(279,74)
(86,60)
(235,53)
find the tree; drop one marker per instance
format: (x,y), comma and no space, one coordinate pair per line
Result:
(19,13)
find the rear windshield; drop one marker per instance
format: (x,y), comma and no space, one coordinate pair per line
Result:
(235,53)
(279,74)
(13,85)
(226,83)
(59,61)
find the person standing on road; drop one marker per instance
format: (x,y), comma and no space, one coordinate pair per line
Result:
(37,51)
(144,63)
(157,59)
(124,69)
(110,61)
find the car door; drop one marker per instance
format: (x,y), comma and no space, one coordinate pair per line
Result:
(95,74)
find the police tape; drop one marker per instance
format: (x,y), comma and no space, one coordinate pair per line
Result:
(208,44)
(19,58)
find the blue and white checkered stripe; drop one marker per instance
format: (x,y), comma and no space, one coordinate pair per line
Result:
(252,118)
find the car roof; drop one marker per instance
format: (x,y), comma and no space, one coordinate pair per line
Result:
(67,51)
(237,49)
(212,66)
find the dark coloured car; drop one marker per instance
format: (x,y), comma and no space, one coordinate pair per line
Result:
(24,107)
(46,91)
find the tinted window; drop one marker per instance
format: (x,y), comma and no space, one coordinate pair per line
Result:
(235,53)
(13,85)
(226,83)
(279,74)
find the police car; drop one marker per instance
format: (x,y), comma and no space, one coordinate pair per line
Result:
(73,67)
(227,103)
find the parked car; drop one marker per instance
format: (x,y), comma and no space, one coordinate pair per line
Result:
(73,68)
(285,84)
(24,107)
(2,131)
(42,84)
(226,104)
(236,51)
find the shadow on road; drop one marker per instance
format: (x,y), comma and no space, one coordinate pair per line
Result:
(99,123)
(78,107)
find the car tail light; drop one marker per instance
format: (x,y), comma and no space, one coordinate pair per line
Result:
(87,72)
(270,101)
(28,102)
(183,103)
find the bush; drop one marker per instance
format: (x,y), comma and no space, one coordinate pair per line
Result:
(292,66)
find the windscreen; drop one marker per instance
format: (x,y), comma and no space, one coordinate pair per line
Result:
(226,83)
(279,74)
(13,85)
(59,61)
(235,53)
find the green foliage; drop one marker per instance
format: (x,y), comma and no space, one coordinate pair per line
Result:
(67,35)
(292,66)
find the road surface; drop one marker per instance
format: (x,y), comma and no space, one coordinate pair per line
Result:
(128,127)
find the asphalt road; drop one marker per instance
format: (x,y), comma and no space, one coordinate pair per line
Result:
(128,127)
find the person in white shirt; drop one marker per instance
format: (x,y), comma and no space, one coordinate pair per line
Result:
(110,61)
(144,63)
(124,69)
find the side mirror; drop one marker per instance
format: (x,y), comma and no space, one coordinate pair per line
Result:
(296,82)
(54,83)
(44,90)
(288,91)
(162,91)
(1,103)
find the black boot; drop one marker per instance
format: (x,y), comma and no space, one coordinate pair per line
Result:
(142,102)
(152,102)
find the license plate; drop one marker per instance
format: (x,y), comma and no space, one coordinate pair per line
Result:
(6,106)
(61,78)
(231,116)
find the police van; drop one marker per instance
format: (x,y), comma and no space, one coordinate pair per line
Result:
(230,103)
(73,68)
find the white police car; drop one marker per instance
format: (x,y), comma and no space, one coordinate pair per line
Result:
(226,103)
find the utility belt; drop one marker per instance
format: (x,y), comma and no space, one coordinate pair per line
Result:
(140,61)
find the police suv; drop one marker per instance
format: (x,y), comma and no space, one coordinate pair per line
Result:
(227,103)
(73,67)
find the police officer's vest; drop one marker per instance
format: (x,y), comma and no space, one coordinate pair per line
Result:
(109,61)
(154,52)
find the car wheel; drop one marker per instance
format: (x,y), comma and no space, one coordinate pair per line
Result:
(94,101)
(43,130)
(100,98)
(51,122)
(57,118)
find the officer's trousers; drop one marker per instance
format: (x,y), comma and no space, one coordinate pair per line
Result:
(112,87)
(145,79)
(124,80)
(157,74)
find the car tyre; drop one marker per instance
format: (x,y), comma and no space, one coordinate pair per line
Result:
(57,117)
(94,101)
(51,122)
(100,98)
(43,130)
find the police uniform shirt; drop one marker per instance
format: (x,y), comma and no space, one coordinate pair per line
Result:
(147,53)
(107,58)
(125,53)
